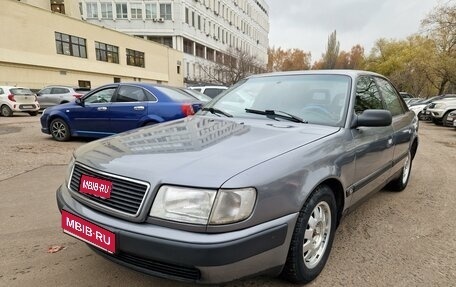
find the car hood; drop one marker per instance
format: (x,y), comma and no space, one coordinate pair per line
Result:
(197,151)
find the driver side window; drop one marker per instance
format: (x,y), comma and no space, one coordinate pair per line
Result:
(367,95)
(103,96)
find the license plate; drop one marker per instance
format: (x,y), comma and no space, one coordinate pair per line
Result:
(95,186)
(88,232)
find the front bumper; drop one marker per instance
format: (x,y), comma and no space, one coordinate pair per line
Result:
(436,113)
(190,256)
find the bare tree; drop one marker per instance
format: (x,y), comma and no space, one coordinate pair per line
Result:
(230,67)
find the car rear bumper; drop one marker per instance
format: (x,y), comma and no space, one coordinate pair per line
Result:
(190,256)
(25,107)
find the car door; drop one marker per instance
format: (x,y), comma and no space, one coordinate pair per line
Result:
(128,108)
(373,145)
(44,98)
(402,118)
(59,95)
(93,115)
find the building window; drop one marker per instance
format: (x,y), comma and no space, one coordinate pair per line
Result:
(92,10)
(121,10)
(151,10)
(199,22)
(186,15)
(116,80)
(84,84)
(58,6)
(135,11)
(70,45)
(135,58)
(188,46)
(166,11)
(107,53)
(193,18)
(106,10)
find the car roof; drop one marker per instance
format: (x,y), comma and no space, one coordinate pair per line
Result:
(350,73)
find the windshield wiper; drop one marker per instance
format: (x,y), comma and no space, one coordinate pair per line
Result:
(277,114)
(217,111)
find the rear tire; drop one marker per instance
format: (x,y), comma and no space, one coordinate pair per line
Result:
(400,183)
(6,111)
(312,237)
(60,130)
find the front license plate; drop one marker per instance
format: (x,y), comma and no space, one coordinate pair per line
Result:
(95,186)
(88,232)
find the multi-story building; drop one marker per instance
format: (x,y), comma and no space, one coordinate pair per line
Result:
(207,31)
(45,42)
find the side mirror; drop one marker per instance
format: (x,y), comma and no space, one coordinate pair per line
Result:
(372,118)
(80,102)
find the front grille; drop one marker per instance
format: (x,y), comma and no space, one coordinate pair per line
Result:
(183,272)
(127,195)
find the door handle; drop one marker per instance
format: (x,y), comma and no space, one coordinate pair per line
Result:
(390,142)
(139,108)
(102,109)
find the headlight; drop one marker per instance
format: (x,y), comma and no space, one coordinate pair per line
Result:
(233,205)
(203,206)
(439,106)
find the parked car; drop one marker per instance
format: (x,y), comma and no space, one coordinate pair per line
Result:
(17,99)
(440,109)
(56,95)
(116,108)
(451,119)
(406,95)
(198,95)
(420,108)
(256,189)
(211,91)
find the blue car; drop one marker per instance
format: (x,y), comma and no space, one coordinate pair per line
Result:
(115,108)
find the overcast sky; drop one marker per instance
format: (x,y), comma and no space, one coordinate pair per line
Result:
(306,24)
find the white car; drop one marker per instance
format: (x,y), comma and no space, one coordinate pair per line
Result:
(211,91)
(451,119)
(441,109)
(17,99)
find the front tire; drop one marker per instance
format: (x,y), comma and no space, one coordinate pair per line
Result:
(60,130)
(312,237)
(400,183)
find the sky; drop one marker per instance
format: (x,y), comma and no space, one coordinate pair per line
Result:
(307,24)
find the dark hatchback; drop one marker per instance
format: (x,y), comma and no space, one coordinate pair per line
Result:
(116,108)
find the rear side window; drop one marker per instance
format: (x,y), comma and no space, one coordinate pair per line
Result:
(1,91)
(175,94)
(21,91)
(130,94)
(391,97)
(367,95)
(60,91)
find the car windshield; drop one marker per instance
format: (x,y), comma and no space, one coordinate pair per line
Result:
(200,96)
(175,94)
(316,99)
(21,91)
